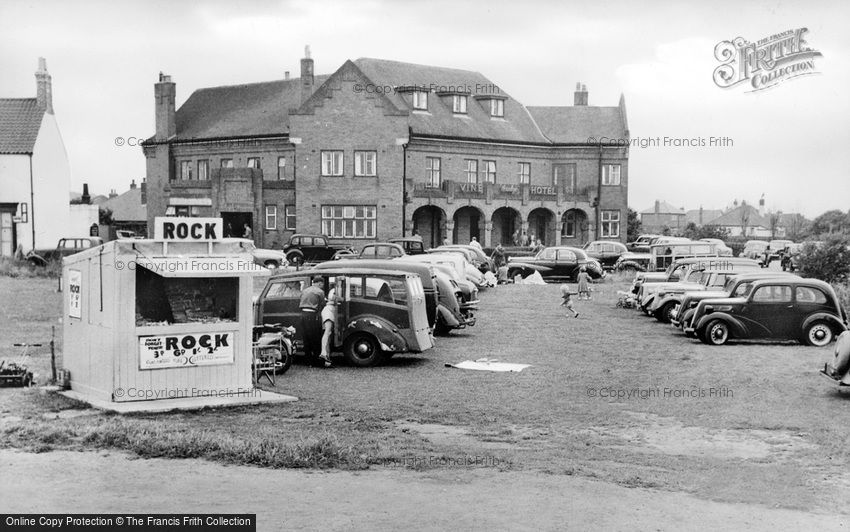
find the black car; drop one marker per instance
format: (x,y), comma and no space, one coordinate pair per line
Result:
(557,263)
(777,308)
(312,248)
(606,252)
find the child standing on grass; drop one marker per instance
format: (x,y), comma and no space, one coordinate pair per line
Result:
(567,300)
(583,284)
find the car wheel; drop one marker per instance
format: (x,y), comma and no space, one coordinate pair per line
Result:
(665,313)
(440,328)
(716,333)
(295,258)
(818,334)
(272,265)
(362,350)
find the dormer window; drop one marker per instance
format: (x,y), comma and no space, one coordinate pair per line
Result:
(497,108)
(420,100)
(459,104)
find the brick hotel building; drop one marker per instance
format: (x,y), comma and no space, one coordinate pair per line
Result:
(379,148)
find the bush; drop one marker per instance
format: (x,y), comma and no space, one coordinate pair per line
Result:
(21,268)
(828,262)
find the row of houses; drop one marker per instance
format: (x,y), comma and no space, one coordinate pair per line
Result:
(737,220)
(379,149)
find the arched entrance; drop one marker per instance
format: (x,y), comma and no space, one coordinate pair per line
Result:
(430,221)
(541,223)
(574,228)
(468,223)
(507,223)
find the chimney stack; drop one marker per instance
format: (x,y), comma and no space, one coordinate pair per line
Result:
(580,94)
(144,191)
(112,194)
(657,206)
(306,75)
(44,87)
(85,199)
(164,92)
(286,75)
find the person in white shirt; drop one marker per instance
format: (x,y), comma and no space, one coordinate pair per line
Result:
(474,242)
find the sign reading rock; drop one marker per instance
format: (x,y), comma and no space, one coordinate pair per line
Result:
(183,229)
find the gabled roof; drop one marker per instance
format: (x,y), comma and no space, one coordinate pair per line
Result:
(575,124)
(127,207)
(733,218)
(708,215)
(517,124)
(254,109)
(663,208)
(20,120)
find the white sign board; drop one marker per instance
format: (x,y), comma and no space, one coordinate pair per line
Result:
(184,229)
(185,350)
(75,293)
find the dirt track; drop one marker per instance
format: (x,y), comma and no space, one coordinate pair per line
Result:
(389,499)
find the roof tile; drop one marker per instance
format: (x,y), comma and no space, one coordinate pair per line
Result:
(20,121)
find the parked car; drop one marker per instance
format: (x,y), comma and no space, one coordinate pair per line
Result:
(722,249)
(454,266)
(270,258)
(775,309)
(381,250)
(641,244)
(691,278)
(754,249)
(677,268)
(606,252)
(427,274)
(471,272)
(380,312)
(665,251)
(303,248)
(839,369)
(480,259)
(632,262)
(411,245)
(65,246)
(667,299)
(557,263)
(736,286)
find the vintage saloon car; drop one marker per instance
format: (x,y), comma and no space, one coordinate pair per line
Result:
(736,286)
(312,248)
(557,263)
(687,270)
(667,300)
(380,313)
(775,309)
(606,252)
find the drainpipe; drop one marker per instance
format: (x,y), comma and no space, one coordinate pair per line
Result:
(32,205)
(599,195)
(404,184)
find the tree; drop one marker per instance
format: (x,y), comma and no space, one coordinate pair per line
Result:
(633,226)
(745,218)
(105,216)
(797,227)
(831,222)
(695,232)
(773,219)
(829,261)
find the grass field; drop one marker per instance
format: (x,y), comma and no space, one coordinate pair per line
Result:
(612,395)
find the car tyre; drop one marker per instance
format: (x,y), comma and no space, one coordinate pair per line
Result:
(296,258)
(818,334)
(363,350)
(271,264)
(665,313)
(716,333)
(285,360)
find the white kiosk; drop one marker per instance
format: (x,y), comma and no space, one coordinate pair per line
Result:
(166,321)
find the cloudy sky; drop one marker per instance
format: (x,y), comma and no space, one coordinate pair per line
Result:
(789,143)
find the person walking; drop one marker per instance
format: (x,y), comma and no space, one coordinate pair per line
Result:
(583,284)
(247,232)
(311,303)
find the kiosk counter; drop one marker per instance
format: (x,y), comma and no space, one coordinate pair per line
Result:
(159,319)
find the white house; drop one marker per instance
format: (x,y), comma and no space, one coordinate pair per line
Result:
(35,175)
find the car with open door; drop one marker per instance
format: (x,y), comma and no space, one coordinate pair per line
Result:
(380,312)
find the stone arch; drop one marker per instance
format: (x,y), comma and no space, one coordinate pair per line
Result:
(468,221)
(506,225)
(541,224)
(430,221)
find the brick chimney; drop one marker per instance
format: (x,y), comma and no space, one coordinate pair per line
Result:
(44,87)
(144,192)
(85,199)
(580,94)
(286,75)
(306,75)
(113,194)
(657,206)
(164,92)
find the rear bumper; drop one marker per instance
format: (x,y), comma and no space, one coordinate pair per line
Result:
(829,372)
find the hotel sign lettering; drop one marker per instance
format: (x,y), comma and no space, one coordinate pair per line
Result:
(542,190)
(475,188)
